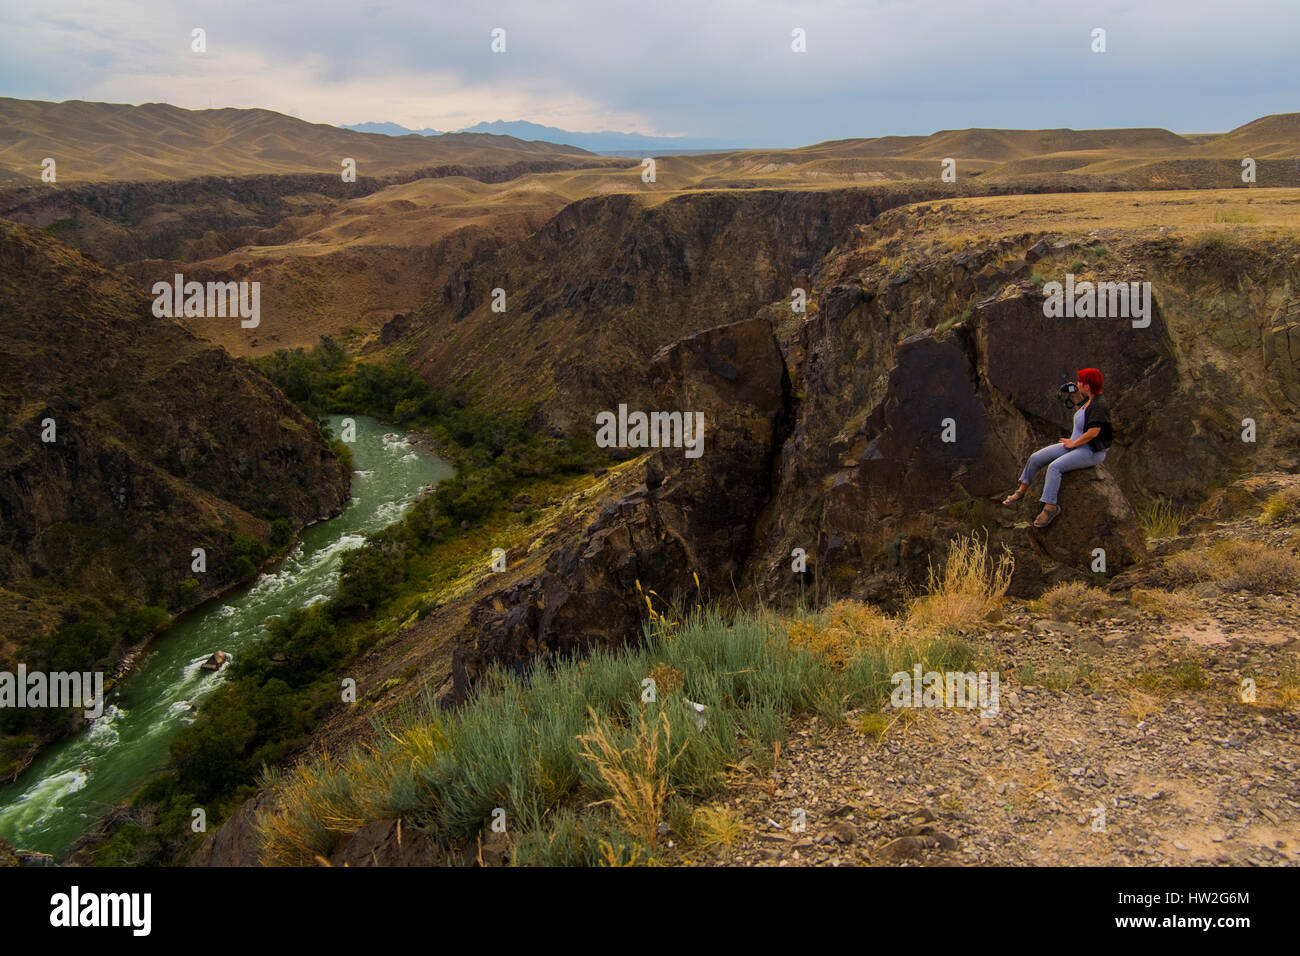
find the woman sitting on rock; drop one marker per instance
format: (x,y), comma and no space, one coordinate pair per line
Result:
(1083,449)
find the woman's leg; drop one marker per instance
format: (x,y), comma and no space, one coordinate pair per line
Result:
(1039,460)
(1070,461)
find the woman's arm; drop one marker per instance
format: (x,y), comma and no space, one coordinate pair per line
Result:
(1083,439)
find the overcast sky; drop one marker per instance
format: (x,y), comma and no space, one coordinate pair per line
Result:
(723,71)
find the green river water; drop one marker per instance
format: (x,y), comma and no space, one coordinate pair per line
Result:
(79,778)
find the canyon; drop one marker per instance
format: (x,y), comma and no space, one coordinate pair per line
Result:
(923,303)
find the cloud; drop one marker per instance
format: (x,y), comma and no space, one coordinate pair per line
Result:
(723,70)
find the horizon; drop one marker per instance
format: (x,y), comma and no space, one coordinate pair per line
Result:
(719,147)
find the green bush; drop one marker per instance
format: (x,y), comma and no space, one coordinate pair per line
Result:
(281,532)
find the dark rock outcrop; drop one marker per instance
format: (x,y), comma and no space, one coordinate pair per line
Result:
(236,842)
(692,515)
(875,504)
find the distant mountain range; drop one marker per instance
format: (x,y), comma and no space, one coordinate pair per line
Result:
(392,129)
(607,141)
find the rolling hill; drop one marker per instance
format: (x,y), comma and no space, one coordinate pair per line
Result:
(96,142)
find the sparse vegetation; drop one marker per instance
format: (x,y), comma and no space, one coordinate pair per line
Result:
(1179,675)
(971,585)
(874,725)
(1062,676)
(1072,600)
(1170,605)
(1232,216)
(1282,507)
(952,320)
(1234,565)
(1140,705)
(716,828)
(578,761)
(1161,519)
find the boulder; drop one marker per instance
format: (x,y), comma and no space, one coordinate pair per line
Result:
(1094,514)
(236,842)
(1038,250)
(215,662)
(384,843)
(1242,499)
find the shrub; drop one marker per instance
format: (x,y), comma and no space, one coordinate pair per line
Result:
(1235,565)
(716,828)
(634,772)
(1284,506)
(369,575)
(281,532)
(554,740)
(1161,519)
(1170,605)
(1072,600)
(971,585)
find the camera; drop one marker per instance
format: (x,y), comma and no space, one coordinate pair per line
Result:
(1068,391)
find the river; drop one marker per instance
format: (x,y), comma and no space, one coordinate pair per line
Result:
(79,778)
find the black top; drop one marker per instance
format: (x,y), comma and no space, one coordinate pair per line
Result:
(1097,415)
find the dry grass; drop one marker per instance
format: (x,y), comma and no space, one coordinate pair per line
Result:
(309,820)
(1282,507)
(1024,783)
(1285,694)
(1288,688)
(667,678)
(1236,565)
(1170,605)
(717,827)
(1162,520)
(849,629)
(971,586)
(636,776)
(1071,600)
(874,725)
(1140,706)
(319,803)
(1188,211)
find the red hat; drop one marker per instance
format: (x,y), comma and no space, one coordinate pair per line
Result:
(1092,378)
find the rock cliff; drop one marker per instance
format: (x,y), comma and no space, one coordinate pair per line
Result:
(158,443)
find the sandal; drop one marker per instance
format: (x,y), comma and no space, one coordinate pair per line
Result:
(1046,517)
(1012,498)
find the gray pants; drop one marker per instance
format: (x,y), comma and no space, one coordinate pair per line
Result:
(1058,460)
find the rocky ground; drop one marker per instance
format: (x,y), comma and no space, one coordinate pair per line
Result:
(1133,714)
